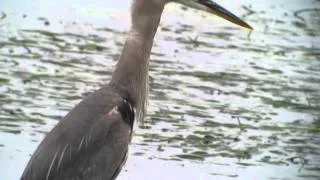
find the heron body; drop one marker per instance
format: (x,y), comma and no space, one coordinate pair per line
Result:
(76,148)
(91,141)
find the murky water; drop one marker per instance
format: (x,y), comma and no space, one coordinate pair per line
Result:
(224,103)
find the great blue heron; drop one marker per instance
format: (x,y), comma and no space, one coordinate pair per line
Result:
(91,141)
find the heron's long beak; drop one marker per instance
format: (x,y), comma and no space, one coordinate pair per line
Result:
(212,7)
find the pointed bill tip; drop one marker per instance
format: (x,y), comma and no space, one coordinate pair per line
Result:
(214,8)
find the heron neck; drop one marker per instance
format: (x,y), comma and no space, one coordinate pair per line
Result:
(131,72)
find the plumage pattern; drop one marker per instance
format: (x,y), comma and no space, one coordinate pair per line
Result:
(89,143)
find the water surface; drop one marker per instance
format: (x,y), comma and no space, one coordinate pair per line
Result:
(224,103)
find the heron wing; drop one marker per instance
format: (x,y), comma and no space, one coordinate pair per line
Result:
(90,142)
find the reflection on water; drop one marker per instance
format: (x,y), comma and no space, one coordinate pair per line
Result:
(225,103)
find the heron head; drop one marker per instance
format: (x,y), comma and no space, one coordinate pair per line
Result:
(214,8)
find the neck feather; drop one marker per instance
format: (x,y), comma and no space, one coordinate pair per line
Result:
(131,72)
